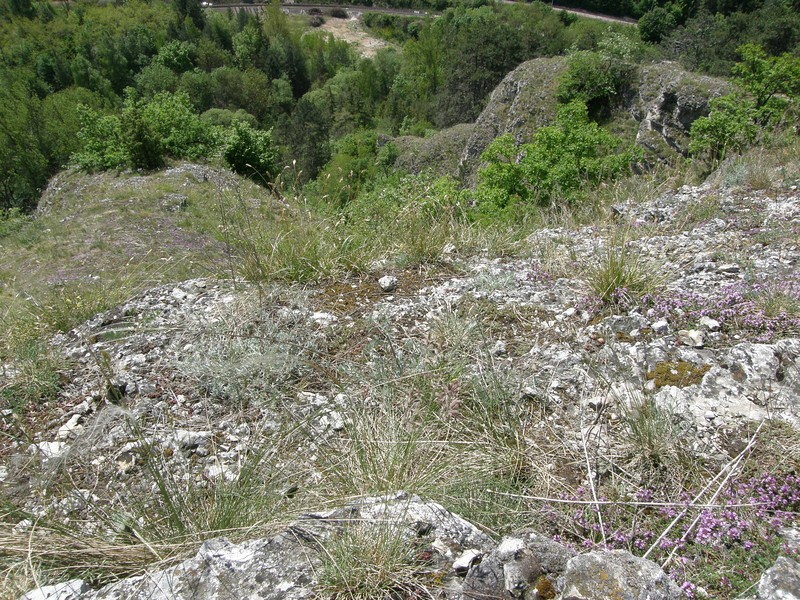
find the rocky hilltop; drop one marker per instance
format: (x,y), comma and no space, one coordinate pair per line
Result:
(436,383)
(663,103)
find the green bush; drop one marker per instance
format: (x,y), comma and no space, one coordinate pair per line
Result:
(154,79)
(141,141)
(598,78)
(12,220)
(251,152)
(182,132)
(730,127)
(176,56)
(770,90)
(223,117)
(352,166)
(144,134)
(774,81)
(101,141)
(655,24)
(560,161)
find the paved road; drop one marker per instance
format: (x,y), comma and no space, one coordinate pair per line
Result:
(300,8)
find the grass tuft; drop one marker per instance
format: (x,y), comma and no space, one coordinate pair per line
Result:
(621,277)
(369,562)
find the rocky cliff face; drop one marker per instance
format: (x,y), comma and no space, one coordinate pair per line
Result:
(522,103)
(668,101)
(665,102)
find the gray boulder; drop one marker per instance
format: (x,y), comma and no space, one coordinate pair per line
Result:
(508,572)
(516,568)
(552,556)
(781,581)
(616,574)
(69,590)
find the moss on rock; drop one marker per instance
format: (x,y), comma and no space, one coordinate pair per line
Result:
(677,373)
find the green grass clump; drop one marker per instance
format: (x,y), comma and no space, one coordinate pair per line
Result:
(368,562)
(621,277)
(35,379)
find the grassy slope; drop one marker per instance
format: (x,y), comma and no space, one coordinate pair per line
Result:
(99,237)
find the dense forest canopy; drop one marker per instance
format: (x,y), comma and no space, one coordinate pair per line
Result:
(136,83)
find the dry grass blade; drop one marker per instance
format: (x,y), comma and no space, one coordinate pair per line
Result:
(106,559)
(69,551)
(590,478)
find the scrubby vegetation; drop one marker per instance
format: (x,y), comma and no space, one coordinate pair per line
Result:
(115,93)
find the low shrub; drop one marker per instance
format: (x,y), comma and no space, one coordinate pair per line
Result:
(560,161)
(251,152)
(144,134)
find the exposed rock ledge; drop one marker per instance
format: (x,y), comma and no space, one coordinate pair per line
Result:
(462,560)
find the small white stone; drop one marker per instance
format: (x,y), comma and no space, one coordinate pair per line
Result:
(388,283)
(710,415)
(217,471)
(50,449)
(729,268)
(324,319)
(692,337)
(499,348)
(508,547)
(69,428)
(22,526)
(709,323)
(125,462)
(333,420)
(188,439)
(179,294)
(468,558)
(660,326)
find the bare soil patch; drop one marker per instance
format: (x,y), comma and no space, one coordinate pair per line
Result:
(352,31)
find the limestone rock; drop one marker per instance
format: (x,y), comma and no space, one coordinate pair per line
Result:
(514,567)
(669,101)
(439,153)
(616,574)
(285,566)
(522,103)
(388,283)
(781,581)
(274,568)
(692,337)
(69,590)
(552,556)
(661,326)
(467,559)
(709,323)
